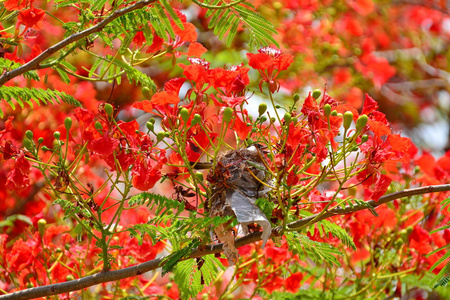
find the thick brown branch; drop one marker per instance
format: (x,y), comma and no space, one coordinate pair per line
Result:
(34,63)
(88,281)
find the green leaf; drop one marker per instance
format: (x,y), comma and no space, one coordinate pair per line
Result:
(21,94)
(172,260)
(306,248)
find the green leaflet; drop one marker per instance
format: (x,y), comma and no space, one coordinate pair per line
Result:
(193,274)
(306,248)
(225,21)
(21,95)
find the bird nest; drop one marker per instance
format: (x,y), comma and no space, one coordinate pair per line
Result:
(238,180)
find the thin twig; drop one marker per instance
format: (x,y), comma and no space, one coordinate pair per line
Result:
(34,63)
(85,282)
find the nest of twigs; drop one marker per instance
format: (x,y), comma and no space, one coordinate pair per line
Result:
(239,178)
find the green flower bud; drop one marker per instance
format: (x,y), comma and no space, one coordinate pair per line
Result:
(263,119)
(146,92)
(361,122)
(272,120)
(45,148)
(160,136)
(296,97)
(184,113)
(29,134)
(295,120)
(196,120)
(69,277)
(28,144)
(152,120)
(355,148)
(41,226)
(68,123)
(334,113)
(98,125)
(150,126)
(348,117)
(199,176)
(316,94)
(227,114)
(109,109)
(262,108)
(339,115)
(327,110)
(166,134)
(40,140)
(287,118)
(364,138)
(57,135)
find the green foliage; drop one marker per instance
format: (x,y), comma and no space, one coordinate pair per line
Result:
(21,95)
(172,260)
(70,209)
(193,274)
(443,277)
(225,21)
(306,248)
(7,65)
(326,227)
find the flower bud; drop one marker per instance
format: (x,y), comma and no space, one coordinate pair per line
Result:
(184,113)
(29,134)
(40,140)
(262,108)
(287,118)
(196,120)
(45,148)
(150,126)
(152,120)
(98,125)
(327,110)
(199,176)
(296,97)
(334,113)
(28,144)
(295,120)
(57,135)
(348,117)
(146,92)
(109,109)
(227,114)
(160,136)
(361,122)
(68,123)
(364,138)
(316,94)
(41,226)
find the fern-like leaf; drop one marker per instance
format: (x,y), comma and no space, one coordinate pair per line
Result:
(318,252)
(225,18)
(8,65)
(21,95)
(192,275)
(172,260)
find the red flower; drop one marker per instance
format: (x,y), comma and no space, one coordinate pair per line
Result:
(163,98)
(17,4)
(266,62)
(293,282)
(18,178)
(145,176)
(196,49)
(32,18)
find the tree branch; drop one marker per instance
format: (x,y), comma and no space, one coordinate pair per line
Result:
(34,63)
(78,284)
